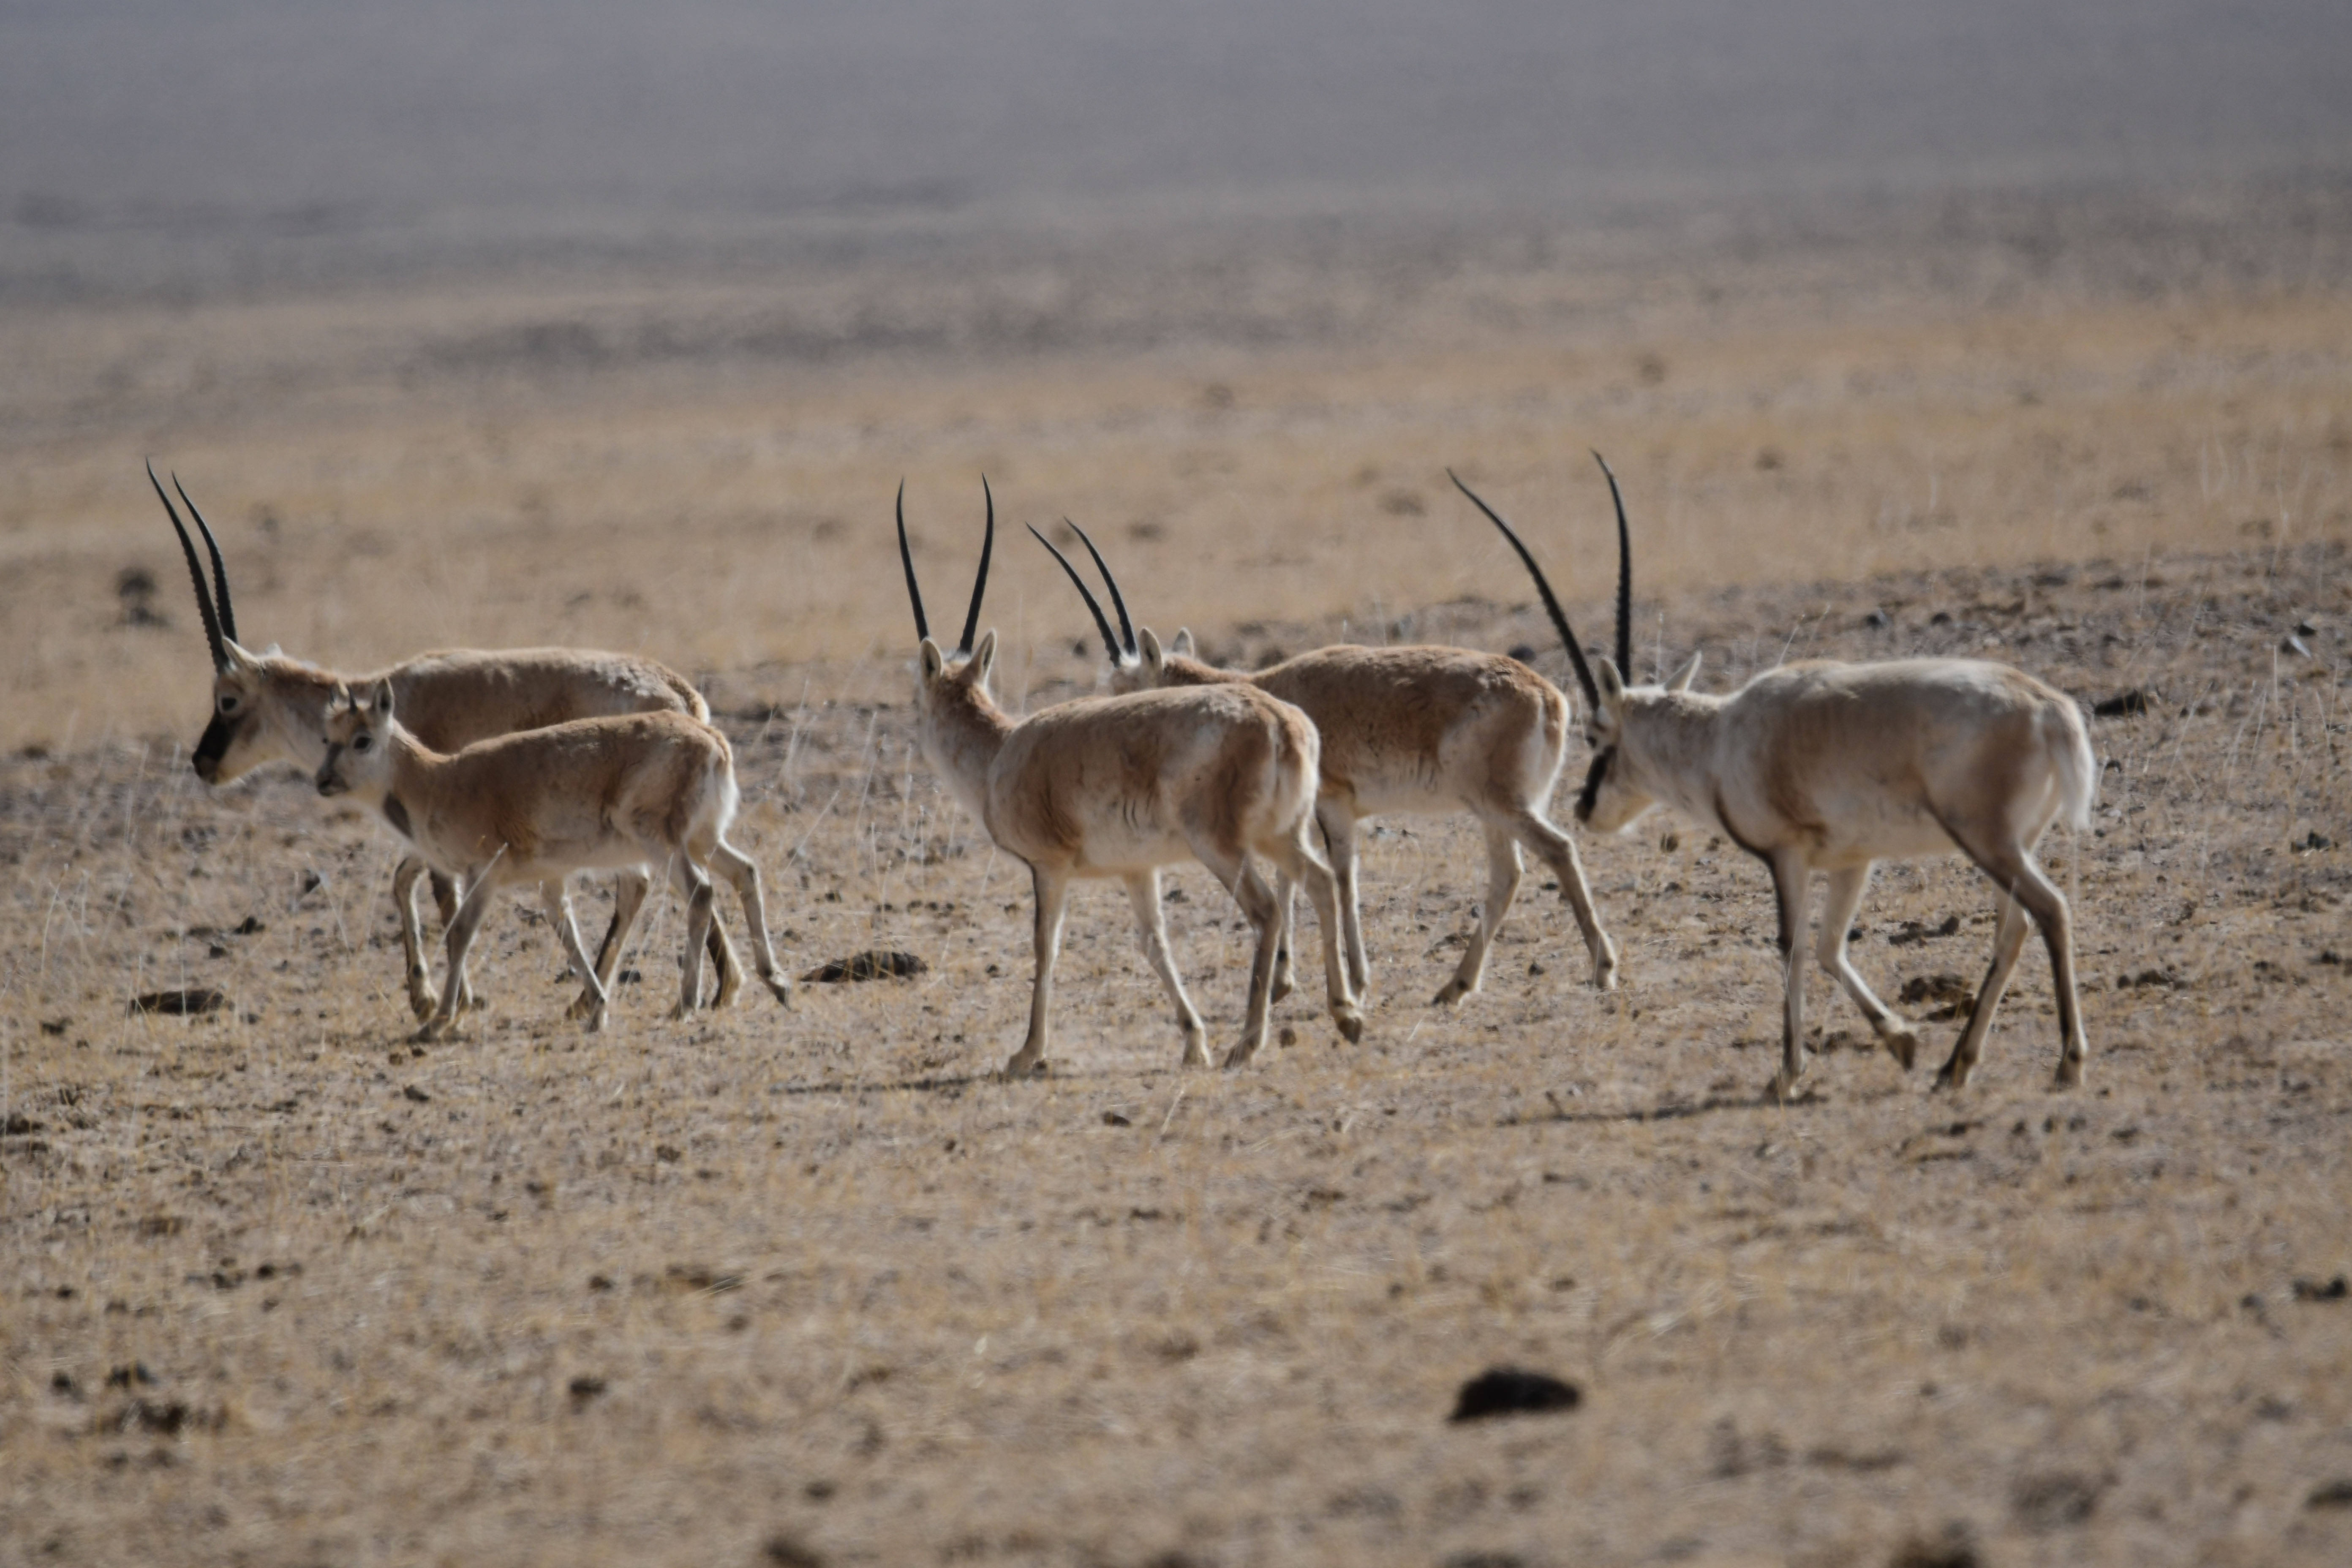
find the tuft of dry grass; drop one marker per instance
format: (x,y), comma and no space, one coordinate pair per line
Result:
(815,1288)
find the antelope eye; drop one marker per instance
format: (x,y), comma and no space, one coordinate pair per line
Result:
(228,704)
(359,744)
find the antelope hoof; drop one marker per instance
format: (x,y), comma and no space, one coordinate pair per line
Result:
(2070,1073)
(595,1024)
(1783,1086)
(1452,991)
(1017,1069)
(436,1029)
(1239,1057)
(781,990)
(1901,1044)
(1604,975)
(423,1000)
(582,1006)
(1283,987)
(1953,1074)
(1350,1022)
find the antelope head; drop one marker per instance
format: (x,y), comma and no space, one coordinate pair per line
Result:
(238,739)
(358,741)
(1618,783)
(1138,662)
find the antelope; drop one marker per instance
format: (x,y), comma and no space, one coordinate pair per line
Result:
(1119,786)
(267,708)
(1429,731)
(636,792)
(1831,767)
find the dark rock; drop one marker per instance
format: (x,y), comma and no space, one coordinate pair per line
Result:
(2335,1290)
(2054,1501)
(417,1094)
(1511,1391)
(586,1388)
(2121,706)
(2332,1494)
(1954,1547)
(876,964)
(188,1004)
(790,1552)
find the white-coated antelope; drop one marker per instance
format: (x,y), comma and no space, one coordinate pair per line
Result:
(1119,786)
(646,794)
(1826,766)
(267,708)
(1428,731)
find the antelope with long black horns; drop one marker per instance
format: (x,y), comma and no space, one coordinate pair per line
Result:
(267,708)
(1830,767)
(1119,786)
(1427,730)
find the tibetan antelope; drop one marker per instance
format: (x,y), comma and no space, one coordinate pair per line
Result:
(1119,786)
(267,708)
(1405,729)
(641,792)
(1825,766)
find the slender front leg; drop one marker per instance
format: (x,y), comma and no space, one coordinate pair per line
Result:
(556,896)
(1503,871)
(1556,851)
(1283,983)
(1838,905)
(422,998)
(1338,821)
(1052,887)
(1791,881)
(1143,893)
(459,939)
(1257,904)
(737,869)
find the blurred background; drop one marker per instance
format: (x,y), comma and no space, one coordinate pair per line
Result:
(514,322)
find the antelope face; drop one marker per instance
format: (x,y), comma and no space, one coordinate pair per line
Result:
(358,732)
(1610,801)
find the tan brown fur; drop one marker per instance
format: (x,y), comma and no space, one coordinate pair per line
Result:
(1821,766)
(1421,728)
(642,793)
(1119,786)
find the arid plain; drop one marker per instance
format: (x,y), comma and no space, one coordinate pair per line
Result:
(281,1288)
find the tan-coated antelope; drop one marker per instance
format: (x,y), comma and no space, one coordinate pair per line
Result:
(646,794)
(1425,730)
(1826,766)
(267,708)
(1119,786)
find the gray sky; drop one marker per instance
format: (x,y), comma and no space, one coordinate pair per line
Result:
(281,114)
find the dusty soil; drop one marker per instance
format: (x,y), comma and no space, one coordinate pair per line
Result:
(283,1289)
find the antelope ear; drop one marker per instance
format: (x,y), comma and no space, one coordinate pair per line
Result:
(379,699)
(983,659)
(1612,684)
(1154,657)
(1182,646)
(935,663)
(1681,680)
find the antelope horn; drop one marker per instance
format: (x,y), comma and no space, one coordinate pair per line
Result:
(1102,624)
(1126,627)
(1625,576)
(196,576)
(980,583)
(906,559)
(1543,588)
(220,568)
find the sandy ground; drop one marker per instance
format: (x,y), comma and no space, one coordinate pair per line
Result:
(284,1289)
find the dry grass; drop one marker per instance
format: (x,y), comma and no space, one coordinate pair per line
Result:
(285,1289)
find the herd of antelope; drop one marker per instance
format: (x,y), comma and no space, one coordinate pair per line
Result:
(527,766)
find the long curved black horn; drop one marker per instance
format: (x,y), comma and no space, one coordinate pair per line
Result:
(906,559)
(195,575)
(1551,603)
(1102,623)
(1126,627)
(1625,576)
(980,583)
(220,568)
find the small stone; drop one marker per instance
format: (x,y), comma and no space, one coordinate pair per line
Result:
(1513,1391)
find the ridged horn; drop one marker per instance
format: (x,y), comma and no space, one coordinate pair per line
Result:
(1625,576)
(226,612)
(1543,588)
(1102,622)
(1126,627)
(980,583)
(905,558)
(196,576)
